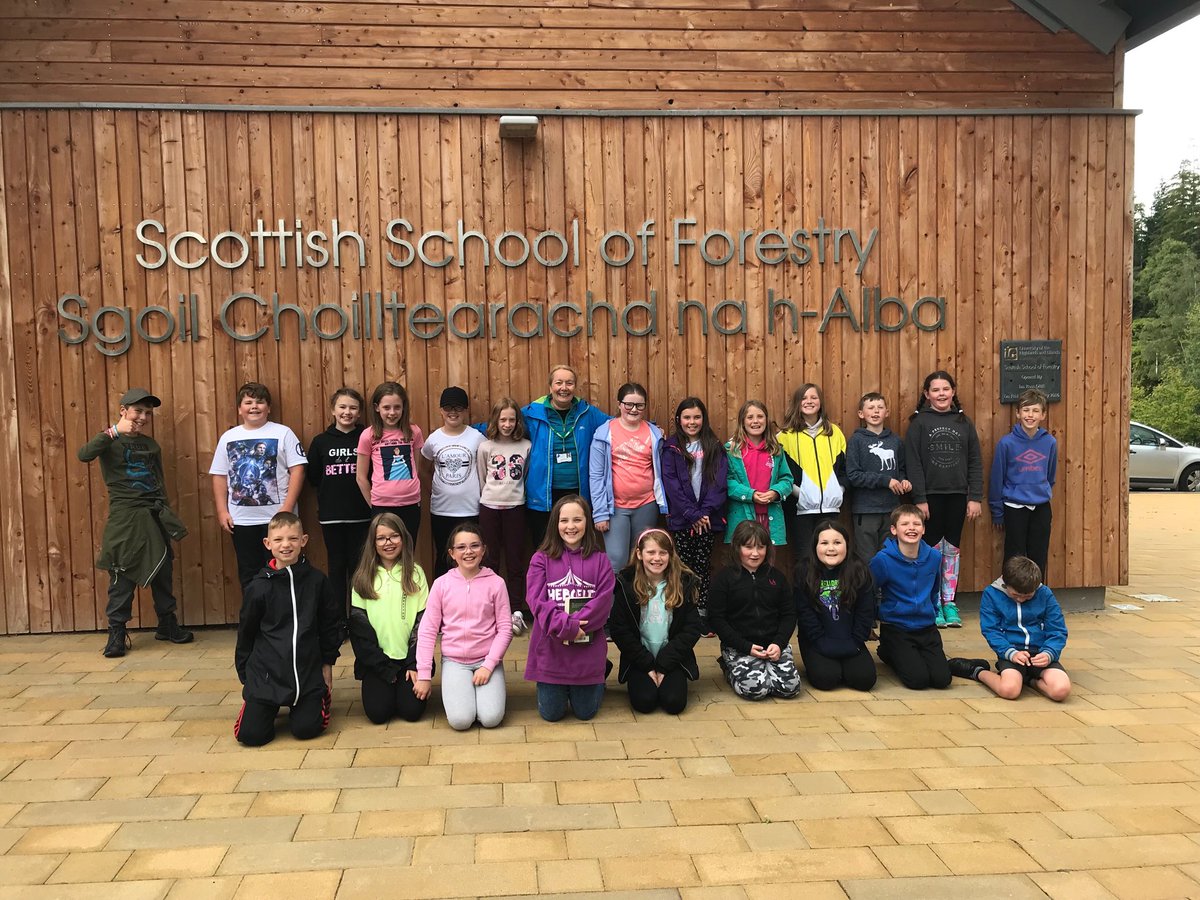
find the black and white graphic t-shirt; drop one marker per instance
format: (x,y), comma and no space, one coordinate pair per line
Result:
(455,479)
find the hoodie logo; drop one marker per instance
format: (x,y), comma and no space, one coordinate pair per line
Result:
(887,458)
(1031,457)
(570,587)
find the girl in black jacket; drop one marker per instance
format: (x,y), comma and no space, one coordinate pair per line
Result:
(655,623)
(835,609)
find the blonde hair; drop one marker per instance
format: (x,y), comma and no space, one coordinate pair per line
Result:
(739,439)
(643,590)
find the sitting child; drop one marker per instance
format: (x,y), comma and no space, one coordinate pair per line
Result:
(750,608)
(288,638)
(906,573)
(1022,621)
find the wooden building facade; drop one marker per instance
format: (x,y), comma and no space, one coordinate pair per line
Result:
(745,196)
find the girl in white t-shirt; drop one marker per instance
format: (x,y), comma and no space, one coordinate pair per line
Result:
(502,463)
(387,457)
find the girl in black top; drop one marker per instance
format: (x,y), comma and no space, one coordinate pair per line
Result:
(835,609)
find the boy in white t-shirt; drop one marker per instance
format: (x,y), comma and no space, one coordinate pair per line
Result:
(454,497)
(258,470)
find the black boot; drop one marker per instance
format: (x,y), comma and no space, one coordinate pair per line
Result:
(169,630)
(118,642)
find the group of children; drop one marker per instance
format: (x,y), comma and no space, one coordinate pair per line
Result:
(602,563)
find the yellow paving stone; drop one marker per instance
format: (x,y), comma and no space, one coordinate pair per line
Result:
(909,740)
(287,803)
(531,845)
(125,890)
(483,820)
(392,757)
(993,777)
(316,855)
(203,833)
(552,732)
(695,839)
(443,849)
(70,812)
(597,791)
(1115,753)
(644,814)
(766,764)
(1151,773)
(563,876)
(1127,851)
(859,740)
(288,886)
(190,862)
(843,832)
(1002,800)
(221,887)
(910,860)
(1147,882)
(489,773)
(32,868)
(314,779)
(785,866)
(324,758)
(1086,797)
(713,812)
(425,775)
(413,822)
(727,892)
(222,806)
(542,793)
(636,873)
(715,787)
(1070,886)
(873,804)
(986,858)
(948,887)
(704,766)
(772,836)
(81,867)
(1093,774)
(941,803)
(619,750)
(1148,820)
(326,826)
(601,770)
(936,830)
(43,790)
(195,783)
(1035,755)
(65,838)
(753,729)
(127,787)
(448,796)
(490,753)
(262,760)
(435,881)
(871,780)
(1082,823)
(809,890)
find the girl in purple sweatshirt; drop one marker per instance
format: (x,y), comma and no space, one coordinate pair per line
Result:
(570,593)
(469,605)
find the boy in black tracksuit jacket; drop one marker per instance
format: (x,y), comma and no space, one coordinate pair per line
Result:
(288,638)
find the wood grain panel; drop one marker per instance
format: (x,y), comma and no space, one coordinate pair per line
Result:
(1022,223)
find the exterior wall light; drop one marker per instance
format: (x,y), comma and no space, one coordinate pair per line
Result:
(519,127)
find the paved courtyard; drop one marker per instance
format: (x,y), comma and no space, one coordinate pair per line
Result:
(121,778)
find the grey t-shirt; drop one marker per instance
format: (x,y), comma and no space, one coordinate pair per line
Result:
(455,482)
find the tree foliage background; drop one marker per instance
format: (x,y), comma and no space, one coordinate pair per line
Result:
(1166,308)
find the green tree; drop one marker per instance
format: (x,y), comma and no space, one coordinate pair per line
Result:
(1172,406)
(1174,215)
(1169,284)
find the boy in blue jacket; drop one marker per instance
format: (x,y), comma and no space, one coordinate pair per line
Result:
(1022,621)
(1023,472)
(907,573)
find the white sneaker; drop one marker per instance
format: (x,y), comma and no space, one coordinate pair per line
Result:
(518,624)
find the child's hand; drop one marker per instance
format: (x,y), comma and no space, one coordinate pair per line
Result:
(773,652)
(757,651)
(974,510)
(580,635)
(602,527)
(327,674)
(905,486)
(1042,659)
(998,524)
(924,508)
(1021,657)
(125,425)
(481,677)
(421,689)
(226,521)
(703,525)
(765,497)
(896,487)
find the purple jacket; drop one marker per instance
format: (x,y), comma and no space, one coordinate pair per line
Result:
(548,585)
(684,508)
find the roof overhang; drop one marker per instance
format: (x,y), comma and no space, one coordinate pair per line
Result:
(1103,22)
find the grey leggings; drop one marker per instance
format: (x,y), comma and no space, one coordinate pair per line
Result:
(465,703)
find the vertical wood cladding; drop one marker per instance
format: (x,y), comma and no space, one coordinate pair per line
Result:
(569,54)
(1022,223)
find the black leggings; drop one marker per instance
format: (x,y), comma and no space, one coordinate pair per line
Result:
(825,673)
(1027,533)
(383,701)
(645,696)
(255,723)
(947,513)
(916,657)
(344,546)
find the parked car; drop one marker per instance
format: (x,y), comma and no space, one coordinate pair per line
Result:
(1158,460)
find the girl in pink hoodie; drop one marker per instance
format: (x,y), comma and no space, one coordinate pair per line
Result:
(469,605)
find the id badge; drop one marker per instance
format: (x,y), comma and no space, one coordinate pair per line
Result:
(563,457)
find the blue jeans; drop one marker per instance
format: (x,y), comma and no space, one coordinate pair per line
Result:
(623,529)
(584,700)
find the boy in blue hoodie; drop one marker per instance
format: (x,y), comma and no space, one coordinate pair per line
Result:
(1023,472)
(1022,621)
(907,573)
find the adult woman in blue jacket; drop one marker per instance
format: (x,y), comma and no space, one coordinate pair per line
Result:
(560,429)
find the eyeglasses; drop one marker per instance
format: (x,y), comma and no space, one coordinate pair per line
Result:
(462,548)
(633,407)
(384,539)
